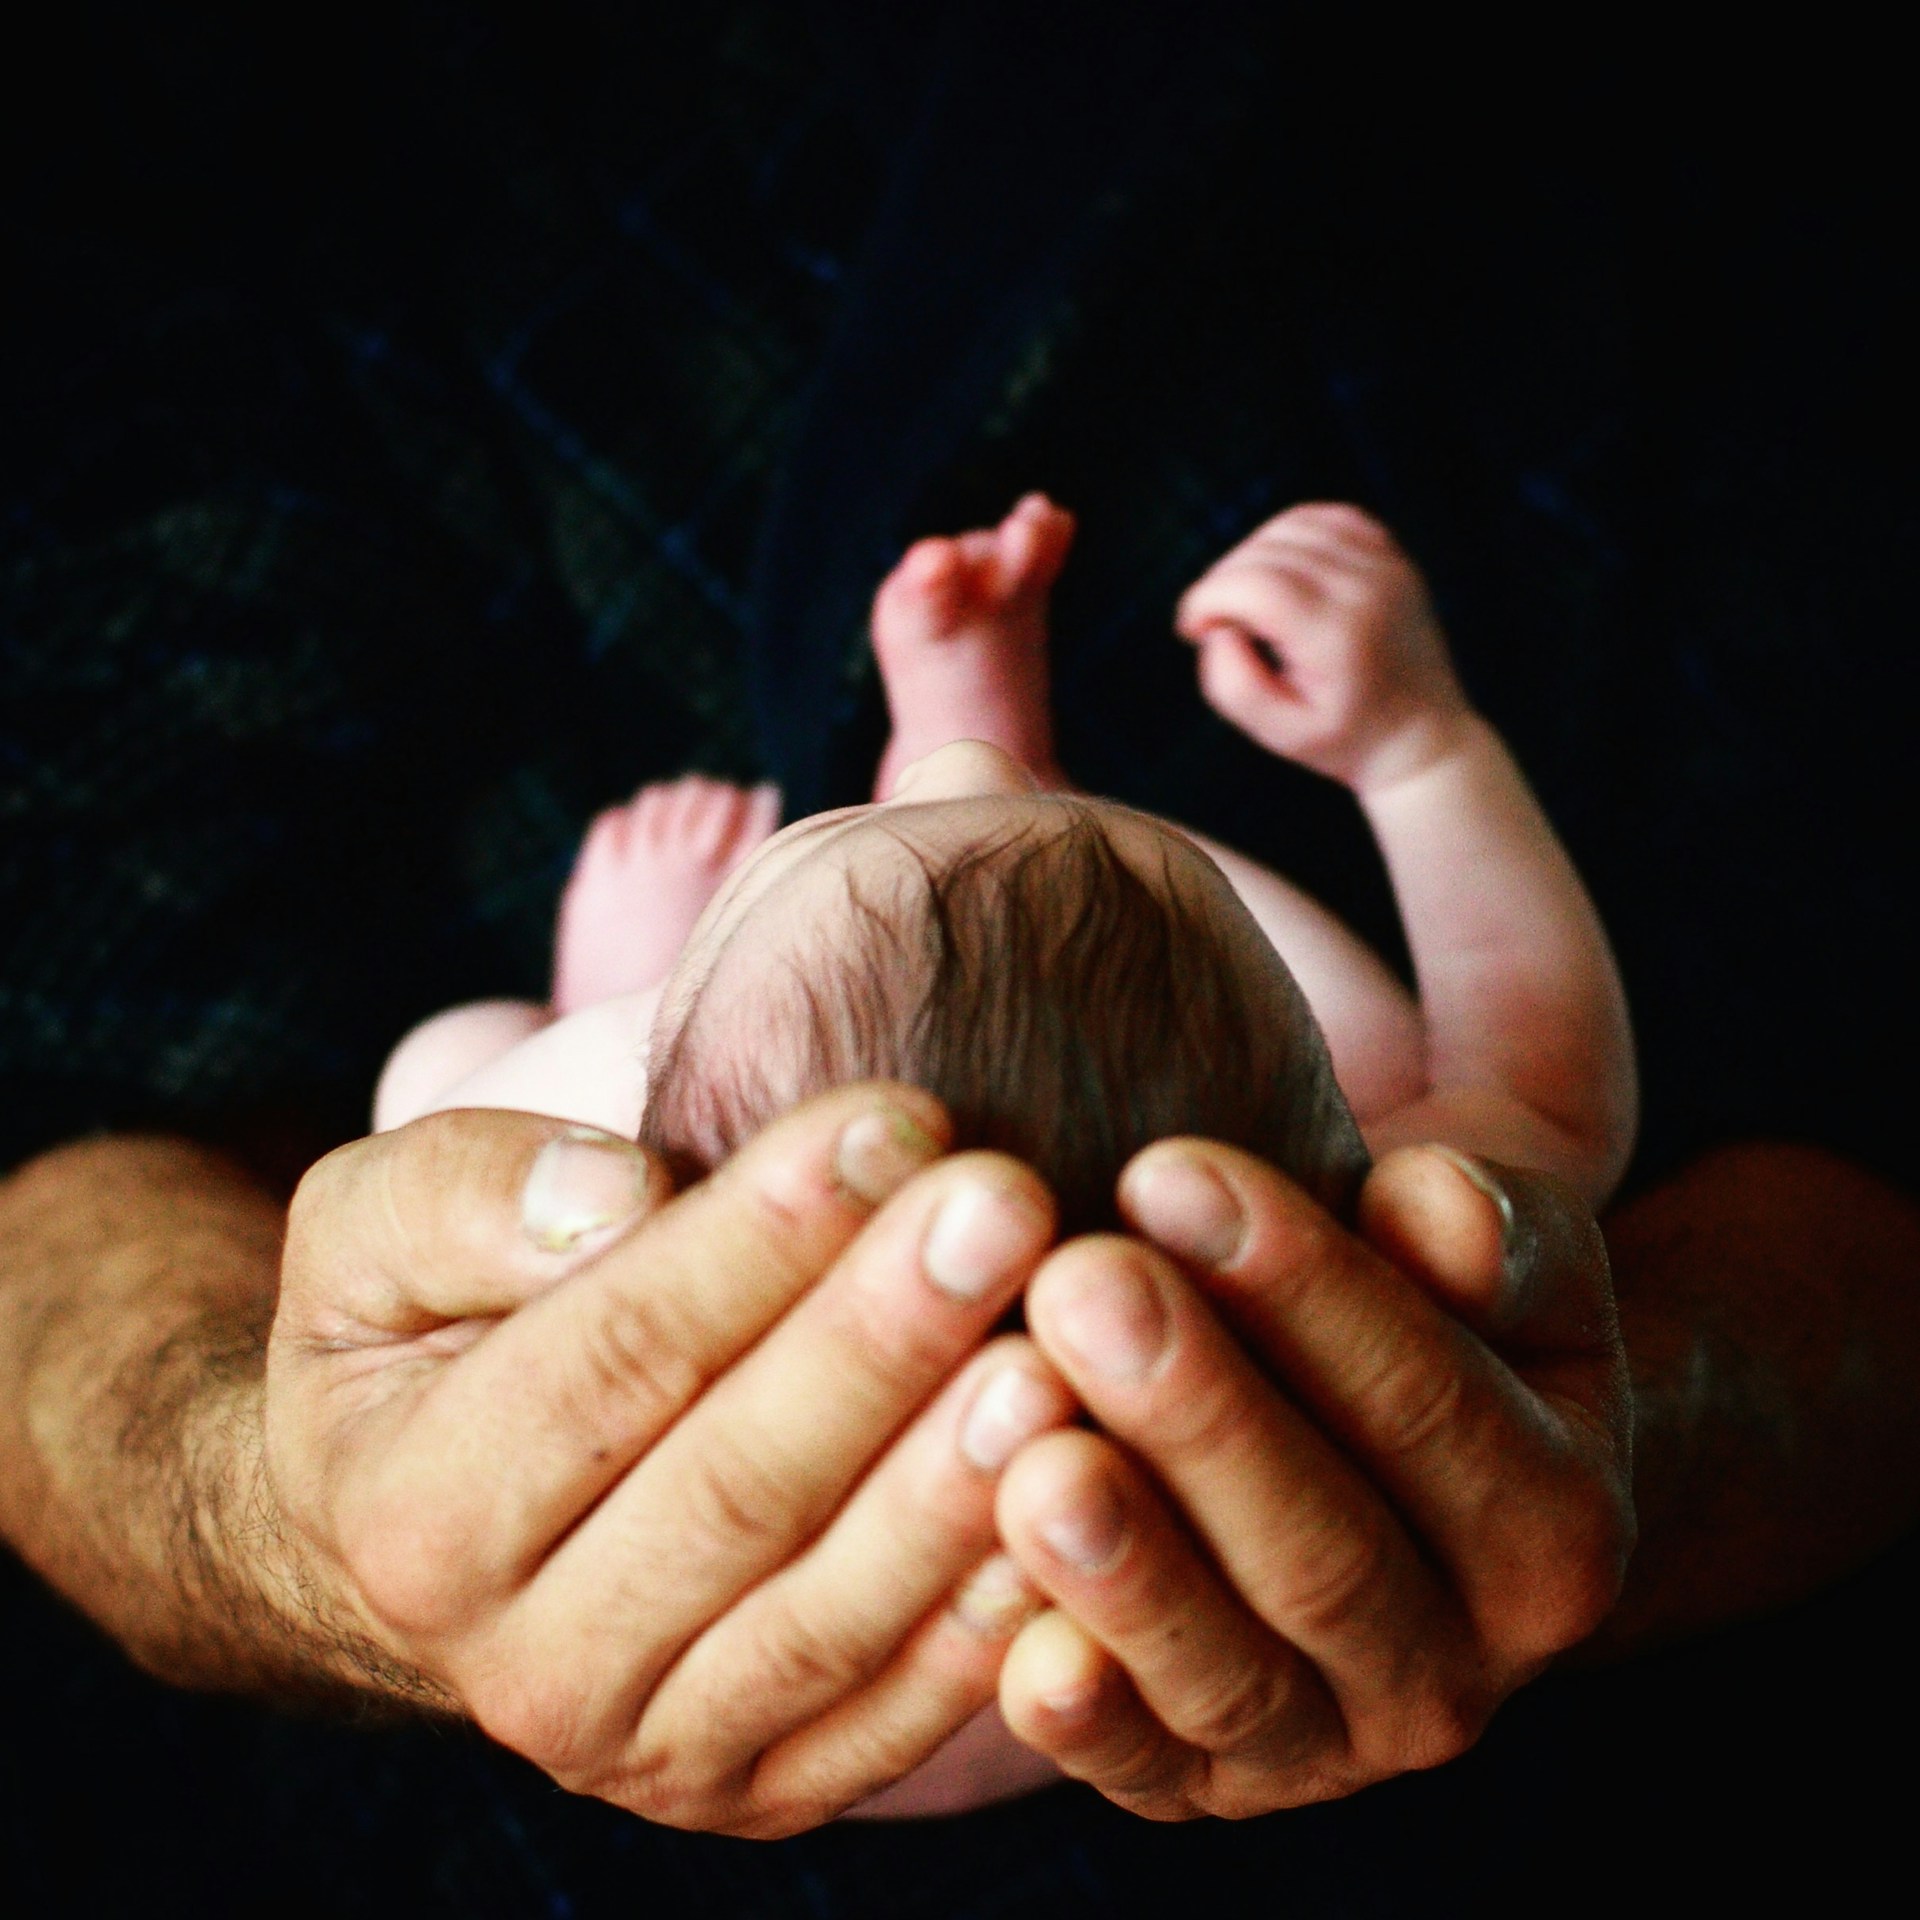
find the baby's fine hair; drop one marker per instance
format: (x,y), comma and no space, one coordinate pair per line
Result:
(1064,1008)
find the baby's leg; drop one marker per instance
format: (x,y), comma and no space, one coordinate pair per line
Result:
(960,631)
(643,875)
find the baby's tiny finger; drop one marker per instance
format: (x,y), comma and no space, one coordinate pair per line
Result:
(1234,672)
(1265,595)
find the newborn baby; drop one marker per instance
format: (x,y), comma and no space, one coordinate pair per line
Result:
(1073,977)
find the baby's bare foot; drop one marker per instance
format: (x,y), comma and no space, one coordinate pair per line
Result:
(960,631)
(643,874)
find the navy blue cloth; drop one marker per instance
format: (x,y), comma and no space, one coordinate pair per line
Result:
(411,441)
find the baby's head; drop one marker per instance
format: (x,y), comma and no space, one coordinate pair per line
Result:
(1071,978)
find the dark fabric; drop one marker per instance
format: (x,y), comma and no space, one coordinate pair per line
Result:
(412,439)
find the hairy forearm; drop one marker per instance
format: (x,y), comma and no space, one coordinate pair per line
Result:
(1770,1298)
(137,1280)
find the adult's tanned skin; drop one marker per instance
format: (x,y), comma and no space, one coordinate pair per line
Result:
(1297,1634)
(1766,1303)
(1392,1492)
(537,1445)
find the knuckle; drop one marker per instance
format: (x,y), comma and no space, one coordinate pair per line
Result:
(1414,1403)
(1209,1418)
(1141,1771)
(622,1367)
(887,1344)
(405,1567)
(1335,1575)
(800,1658)
(1447,1721)
(1166,1808)
(1435,1713)
(945,1498)
(731,1503)
(673,1787)
(1237,1714)
(543,1722)
(778,1819)
(1588,1563)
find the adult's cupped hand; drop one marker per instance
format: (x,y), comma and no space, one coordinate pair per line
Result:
(687,1499)
(691,1500)
(1349,1491)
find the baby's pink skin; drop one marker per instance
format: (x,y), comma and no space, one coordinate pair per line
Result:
(644,873)
(960,632)
(1318,640)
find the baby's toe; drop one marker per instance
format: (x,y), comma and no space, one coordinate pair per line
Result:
(1033,543)
(602,840)
(919,596)
(760,817)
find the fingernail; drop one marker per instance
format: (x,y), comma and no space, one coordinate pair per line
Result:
(1090,1534)
(1187,1208)
(1115,1321)
(880,1152)
(1477,1177)
(582,1181)
(1006,1413)
(979,1239)
(995,1598)
(1071,1705)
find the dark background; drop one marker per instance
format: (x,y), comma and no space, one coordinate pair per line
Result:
(413,436)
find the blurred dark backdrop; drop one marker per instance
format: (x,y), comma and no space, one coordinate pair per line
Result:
(414,434)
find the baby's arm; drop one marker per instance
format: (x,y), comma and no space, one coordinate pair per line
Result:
(1372,1026)
(1317,639)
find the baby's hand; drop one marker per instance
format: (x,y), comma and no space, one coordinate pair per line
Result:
(1317,639)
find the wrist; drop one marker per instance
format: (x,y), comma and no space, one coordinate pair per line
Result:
(1430,738)
(274,1617)
(137,1278)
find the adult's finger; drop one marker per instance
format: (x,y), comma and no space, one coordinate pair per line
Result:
(1095,1534)
(459,1215)
(1518,1256)
(1525,1504)
(933,1702)
(560,1398)
(752,1473)
(832,1620)
(1065,1696)
(1307,1545)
